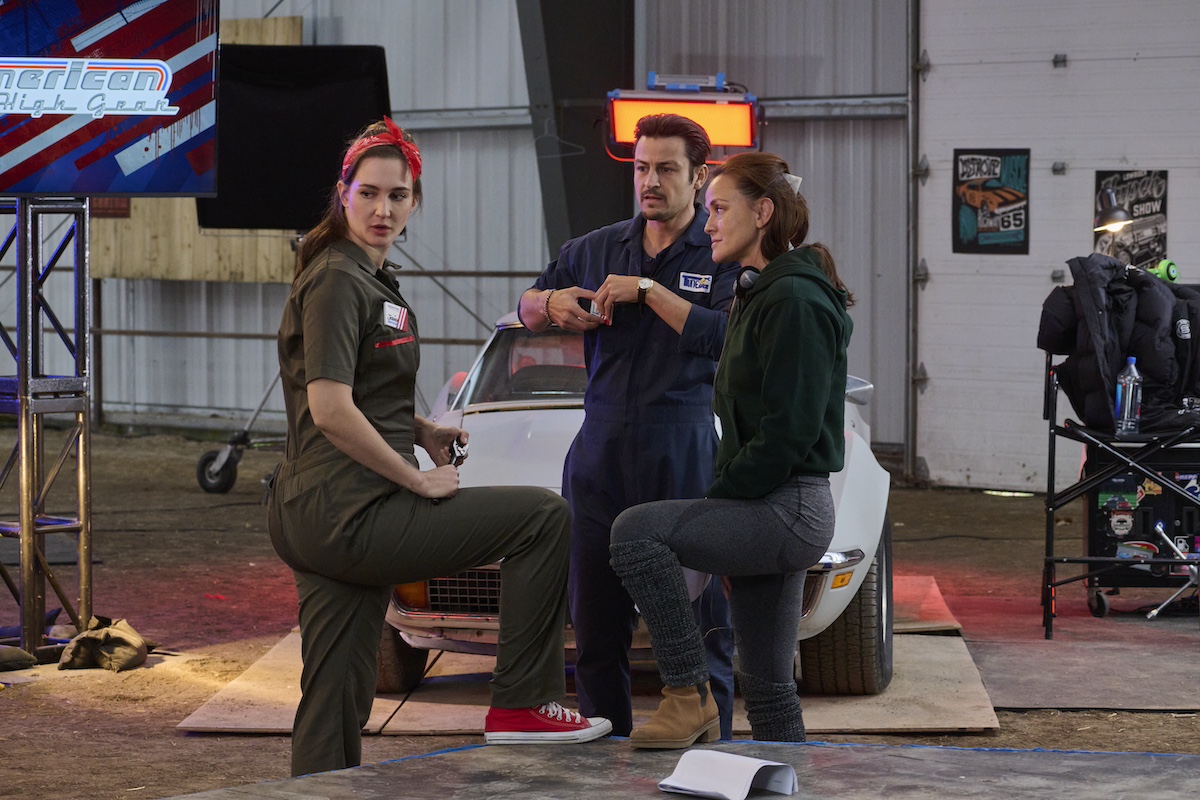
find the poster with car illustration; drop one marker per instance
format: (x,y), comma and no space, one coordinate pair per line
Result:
(990,206)
(1143,193)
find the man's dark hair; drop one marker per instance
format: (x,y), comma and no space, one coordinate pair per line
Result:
(695,140)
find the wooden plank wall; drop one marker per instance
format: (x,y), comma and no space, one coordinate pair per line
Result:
(161,238)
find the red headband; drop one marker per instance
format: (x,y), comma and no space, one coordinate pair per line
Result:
(393,136)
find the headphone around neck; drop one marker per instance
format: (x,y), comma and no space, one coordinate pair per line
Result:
(745,280)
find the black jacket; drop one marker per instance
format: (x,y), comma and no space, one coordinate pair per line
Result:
(1113,311)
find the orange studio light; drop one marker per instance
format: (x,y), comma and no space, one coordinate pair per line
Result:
(728,123)
(729,118)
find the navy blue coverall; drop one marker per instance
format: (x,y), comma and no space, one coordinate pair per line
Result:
(648,434)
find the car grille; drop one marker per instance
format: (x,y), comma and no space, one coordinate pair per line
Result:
(474,591)
(477,591)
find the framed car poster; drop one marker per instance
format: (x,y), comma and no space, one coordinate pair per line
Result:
(990,206)
(1143,193)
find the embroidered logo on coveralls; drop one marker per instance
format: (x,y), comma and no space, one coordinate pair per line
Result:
(691,282)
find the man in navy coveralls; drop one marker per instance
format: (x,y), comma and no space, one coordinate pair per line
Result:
(648,431)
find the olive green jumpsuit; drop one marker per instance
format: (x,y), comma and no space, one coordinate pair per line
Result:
(350,534)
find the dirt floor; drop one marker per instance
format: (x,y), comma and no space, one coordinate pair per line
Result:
(195,573)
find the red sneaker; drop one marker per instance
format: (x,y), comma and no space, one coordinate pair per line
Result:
(547,724)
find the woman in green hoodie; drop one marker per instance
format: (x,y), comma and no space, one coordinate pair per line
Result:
(768,516)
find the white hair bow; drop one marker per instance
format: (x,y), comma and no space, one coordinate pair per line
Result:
(793,181)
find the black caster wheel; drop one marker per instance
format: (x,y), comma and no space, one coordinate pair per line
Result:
(1098,604)
(216,481)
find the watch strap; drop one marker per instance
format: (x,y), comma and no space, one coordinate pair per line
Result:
(643,287)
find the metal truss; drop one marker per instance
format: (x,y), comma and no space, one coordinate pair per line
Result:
(30,394)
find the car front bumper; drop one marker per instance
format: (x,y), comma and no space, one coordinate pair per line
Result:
(461,613)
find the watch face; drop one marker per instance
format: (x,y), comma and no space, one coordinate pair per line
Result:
(644,284)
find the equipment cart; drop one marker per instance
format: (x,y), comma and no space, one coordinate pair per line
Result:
(216,472)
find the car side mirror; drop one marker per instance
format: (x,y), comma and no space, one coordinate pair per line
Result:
(859,391)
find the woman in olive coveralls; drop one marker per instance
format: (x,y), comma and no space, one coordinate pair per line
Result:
(351,513)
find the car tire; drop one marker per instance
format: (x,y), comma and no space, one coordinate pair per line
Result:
(401,667)
(853,656)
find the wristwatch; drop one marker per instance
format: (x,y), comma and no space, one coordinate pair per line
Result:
(644,285)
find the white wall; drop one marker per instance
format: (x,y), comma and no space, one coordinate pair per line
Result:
(1126,100)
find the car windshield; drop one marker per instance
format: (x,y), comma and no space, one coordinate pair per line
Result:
(519,366)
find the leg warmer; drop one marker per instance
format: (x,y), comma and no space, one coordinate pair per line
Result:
(773,709)
(654,579)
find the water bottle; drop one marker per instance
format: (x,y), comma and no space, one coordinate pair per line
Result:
(1129,398)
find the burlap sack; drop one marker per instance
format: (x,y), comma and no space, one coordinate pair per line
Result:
(111,644)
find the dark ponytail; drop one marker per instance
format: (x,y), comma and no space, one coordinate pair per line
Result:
(830,270)
(758,175)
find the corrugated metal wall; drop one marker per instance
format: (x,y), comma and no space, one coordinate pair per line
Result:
(1125,100)
(832,77)
(209,379)
(784,48)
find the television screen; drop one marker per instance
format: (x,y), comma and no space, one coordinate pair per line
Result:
(108,97)
(287,113)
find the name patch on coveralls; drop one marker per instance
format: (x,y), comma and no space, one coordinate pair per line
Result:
(395,316)
(691,282)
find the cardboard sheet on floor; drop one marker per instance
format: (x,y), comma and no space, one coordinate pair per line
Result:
(1089,675)
(936,688)
(263,699)
(935,681)
(918,606)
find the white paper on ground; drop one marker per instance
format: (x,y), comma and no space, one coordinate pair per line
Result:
(727,776)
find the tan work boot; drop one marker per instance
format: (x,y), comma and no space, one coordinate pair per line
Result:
(685,716)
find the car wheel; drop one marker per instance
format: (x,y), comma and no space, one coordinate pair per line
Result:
(854,654)
(401,667)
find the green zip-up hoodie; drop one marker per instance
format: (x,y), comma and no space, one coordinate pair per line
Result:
(781,384)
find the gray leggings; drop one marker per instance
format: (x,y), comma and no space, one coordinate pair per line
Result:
(763,546)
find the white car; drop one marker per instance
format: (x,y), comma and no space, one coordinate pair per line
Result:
(522,403)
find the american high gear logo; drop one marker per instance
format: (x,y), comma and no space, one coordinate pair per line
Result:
(92,86)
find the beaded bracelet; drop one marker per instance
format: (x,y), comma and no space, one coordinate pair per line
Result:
(546,306)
